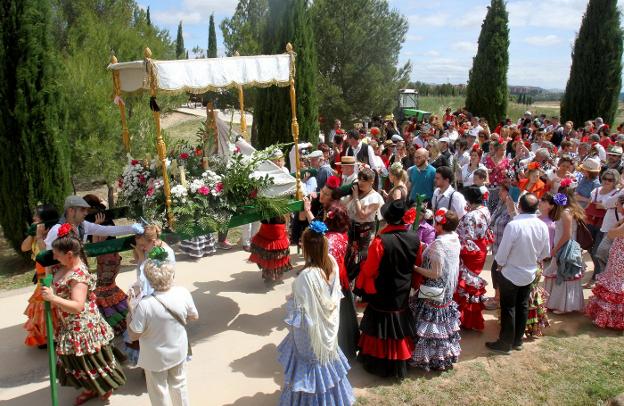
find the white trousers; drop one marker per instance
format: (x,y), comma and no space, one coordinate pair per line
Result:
(168,387)
(248,231)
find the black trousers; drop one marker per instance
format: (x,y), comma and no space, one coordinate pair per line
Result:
(514,303)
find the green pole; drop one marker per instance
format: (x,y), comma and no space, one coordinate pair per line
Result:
(419,202)
(47,281)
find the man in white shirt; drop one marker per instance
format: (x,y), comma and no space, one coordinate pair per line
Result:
(362,152)
(445,196)
(525,243)
(76,209)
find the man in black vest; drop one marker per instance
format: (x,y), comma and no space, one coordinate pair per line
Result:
(363,153)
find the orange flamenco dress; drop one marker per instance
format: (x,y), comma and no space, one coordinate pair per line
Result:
(538,188)
(35,311)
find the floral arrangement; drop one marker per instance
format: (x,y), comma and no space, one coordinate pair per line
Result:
(205,191)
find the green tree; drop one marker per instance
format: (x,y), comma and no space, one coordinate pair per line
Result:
(211,52)
(595,80)
(149,18)
(244,30)
(289,21)
(360,42)
(180,52)
(487,91)
(33,162)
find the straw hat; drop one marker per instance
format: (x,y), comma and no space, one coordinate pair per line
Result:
(591,165)
(346,160)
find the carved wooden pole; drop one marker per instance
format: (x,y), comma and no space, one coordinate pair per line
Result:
(125,135)
(294,122)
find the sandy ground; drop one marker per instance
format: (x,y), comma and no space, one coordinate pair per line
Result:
(234,342)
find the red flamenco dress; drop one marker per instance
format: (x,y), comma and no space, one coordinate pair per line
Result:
(474,236)
(111,300)
(270,249)
(606,307)
(35,311)
(387,327)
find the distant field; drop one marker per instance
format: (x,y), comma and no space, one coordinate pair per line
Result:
(437,105)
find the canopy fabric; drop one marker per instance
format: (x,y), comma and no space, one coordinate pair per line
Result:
(206,74)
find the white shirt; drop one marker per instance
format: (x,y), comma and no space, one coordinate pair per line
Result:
(347,180)
(525,242)
(441,200)
(163,339)
(453,135)
(90,229)
(602,153)
(371,154)
(467,175)
(610,203)
(368,200)
(380,165)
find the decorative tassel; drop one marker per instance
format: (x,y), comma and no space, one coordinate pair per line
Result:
(154,105)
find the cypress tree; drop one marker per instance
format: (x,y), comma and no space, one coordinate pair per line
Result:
(487,92)
(289,21)
(180,52)
(211,52)
(149,18)
(595,78)
(33,158)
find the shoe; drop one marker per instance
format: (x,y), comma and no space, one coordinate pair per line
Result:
(225,245)
(491,304)
(246,248)
(517,347)
(497,346)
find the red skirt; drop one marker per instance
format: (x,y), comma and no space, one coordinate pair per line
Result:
(471,287)
(270,250)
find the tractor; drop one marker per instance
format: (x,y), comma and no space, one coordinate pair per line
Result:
(408,107)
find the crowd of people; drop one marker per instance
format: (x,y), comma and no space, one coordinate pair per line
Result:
(396,221)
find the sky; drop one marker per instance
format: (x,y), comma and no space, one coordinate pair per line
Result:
(442,36)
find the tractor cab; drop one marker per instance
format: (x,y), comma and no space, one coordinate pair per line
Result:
(408,106)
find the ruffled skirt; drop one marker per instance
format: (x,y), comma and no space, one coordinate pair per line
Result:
(99,372)
(270,250)
(200,246)
(470,291)
(110,299)
(386,341)
(35,311)
(564,297)
(606,307)
(436,346)
(537,320)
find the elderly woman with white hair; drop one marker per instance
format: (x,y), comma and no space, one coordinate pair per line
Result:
(159,323)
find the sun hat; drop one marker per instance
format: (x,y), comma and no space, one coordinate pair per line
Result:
(346,160)
(615,150)
(591,165)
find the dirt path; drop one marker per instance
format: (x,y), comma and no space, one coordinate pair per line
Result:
(234,342)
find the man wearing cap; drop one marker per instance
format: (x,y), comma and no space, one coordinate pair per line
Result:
(323,169)
(363,153)
(421,140)
(443,144)
(349,174)
(76,209)
(614,159)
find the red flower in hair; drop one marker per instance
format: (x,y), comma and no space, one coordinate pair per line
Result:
(476,147)
(566,182)
(533,166)
(501,140)
(330,214)
(64,230)
(527,144)
(440,216)
(333,182)
(374,131)
(410,216)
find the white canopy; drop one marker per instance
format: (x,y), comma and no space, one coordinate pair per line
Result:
(209,74)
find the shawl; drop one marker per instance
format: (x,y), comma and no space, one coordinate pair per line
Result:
(320,306)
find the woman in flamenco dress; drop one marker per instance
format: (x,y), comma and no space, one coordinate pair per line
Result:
(270,249)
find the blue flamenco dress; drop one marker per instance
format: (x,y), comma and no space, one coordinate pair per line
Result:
(308,381)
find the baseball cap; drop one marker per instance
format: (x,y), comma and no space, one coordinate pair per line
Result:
(75,201)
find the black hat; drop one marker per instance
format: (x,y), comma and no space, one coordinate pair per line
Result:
(394,211)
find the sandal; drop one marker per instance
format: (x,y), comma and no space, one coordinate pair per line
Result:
(84,397)
(106,396)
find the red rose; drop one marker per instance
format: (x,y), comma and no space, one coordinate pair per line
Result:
(333,182)
(374,131)
(204,190)
(218,187)
(150,192)
(198,152)
(410,216)
(134,162)
(142,178)
(184,155)
(64,230)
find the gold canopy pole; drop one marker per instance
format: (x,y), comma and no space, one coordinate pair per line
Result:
(125,135)
(160,143)
(241,101)
(294,122)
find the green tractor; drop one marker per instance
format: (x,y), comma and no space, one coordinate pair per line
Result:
(408,107)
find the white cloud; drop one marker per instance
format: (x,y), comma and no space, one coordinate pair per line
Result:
(430,20)
(556,14)
(173,18)
(543,41)
(465,46)
(441,70)
(473,17)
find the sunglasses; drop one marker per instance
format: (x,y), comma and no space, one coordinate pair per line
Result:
(608,179)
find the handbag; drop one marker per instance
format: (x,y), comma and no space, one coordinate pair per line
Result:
(584,236)
(431,293)
(180,320)
(594,215)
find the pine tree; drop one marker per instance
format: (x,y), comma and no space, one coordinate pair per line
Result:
(149,18)
(595,80)
(33,158)
(289,21)
(180,52)
(487,91)
(212,39)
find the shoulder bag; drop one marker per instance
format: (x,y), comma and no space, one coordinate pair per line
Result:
(180,320)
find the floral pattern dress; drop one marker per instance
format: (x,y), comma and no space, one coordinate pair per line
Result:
(606,307)
(499,173)
(474,235)
(86,358)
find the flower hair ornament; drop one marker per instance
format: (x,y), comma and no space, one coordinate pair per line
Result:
(158,254)
(397,166)
(476,147)
(409,217)
(560,199)
(64,230)
(533,166)
(318,227)
(440,216)
(333,182)
(568,182)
